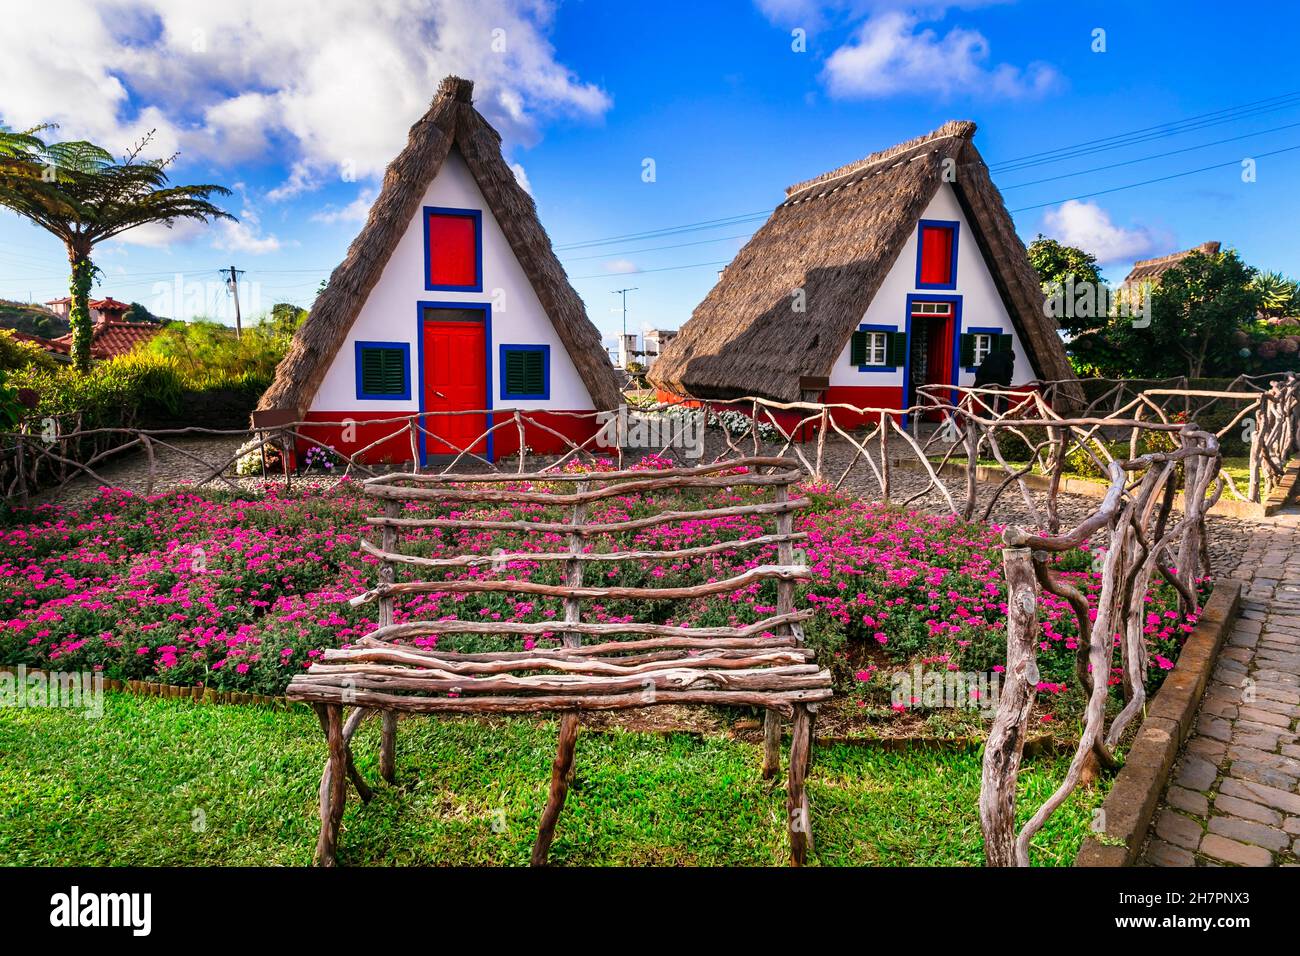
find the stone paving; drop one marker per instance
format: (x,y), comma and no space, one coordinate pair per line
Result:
(1234,795)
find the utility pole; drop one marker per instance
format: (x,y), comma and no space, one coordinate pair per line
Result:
(623,293)
(232,286)
(622,342)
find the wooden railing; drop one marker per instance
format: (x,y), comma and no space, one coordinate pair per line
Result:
(971,433)
(1141,541)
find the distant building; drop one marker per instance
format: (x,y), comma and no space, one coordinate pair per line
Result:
(106,309)
(109,337)
(652,346)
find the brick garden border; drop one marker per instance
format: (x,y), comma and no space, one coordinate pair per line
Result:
(1131,804)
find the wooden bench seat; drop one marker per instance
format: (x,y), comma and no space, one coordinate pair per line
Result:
(634,664)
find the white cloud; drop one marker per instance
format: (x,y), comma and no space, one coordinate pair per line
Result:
(243,237)
(157,235)
(890,55)
(321,83)
(355,211)
(621,266)
(301,179)
(1089,227)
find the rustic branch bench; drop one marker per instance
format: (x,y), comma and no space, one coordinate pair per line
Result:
(763,664)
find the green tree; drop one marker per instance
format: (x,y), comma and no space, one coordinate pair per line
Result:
(139,313)
(78,193)
(1058,264)
(1195,313)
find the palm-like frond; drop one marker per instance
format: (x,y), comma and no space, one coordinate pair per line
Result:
(1278,295)
(79,193)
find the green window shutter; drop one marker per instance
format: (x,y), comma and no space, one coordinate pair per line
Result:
(858,349)
(1002,343)
(968,350)
(383,371)
(898,349)
(525,372)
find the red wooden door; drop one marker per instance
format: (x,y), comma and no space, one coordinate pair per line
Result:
(938,359)
(455,379)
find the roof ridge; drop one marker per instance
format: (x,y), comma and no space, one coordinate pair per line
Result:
(953,129)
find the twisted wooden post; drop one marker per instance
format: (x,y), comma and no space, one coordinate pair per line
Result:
(1006,742)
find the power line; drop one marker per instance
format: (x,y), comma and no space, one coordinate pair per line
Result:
(1144,159)
(1159,179)
(1121,138)
(671,230)
(677,245)
(639,272)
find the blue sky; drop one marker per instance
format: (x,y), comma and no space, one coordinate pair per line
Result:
(298,105)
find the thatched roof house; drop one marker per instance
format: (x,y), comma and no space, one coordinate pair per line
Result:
(450,298)
(902,268)
(1149,271)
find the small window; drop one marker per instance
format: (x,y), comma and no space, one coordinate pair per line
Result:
(383,370)
(876,349)
(978,345)
(526,371)
(453,249)
(936,255)
(930,309)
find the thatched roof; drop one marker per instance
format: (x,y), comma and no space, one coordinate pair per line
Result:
(451,122)
(836,237)
(1150,270)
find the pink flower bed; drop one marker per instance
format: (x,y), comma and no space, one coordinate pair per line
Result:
(240,594)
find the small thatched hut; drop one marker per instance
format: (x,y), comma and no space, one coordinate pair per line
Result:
(450,299)
(901,269)
(1149,271)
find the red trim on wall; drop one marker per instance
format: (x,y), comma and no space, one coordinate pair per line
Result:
(371,426)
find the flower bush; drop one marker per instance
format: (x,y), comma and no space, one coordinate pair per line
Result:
(240,593)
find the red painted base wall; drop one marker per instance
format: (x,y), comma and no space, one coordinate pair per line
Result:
(882,397)
(373,426)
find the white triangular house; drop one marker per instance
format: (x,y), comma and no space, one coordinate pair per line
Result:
(449,300)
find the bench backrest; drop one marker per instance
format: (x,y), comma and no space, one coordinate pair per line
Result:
(578,492)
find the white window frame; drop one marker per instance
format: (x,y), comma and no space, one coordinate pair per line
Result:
(877,351)
(982,347)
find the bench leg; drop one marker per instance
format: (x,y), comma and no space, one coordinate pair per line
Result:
(333,785)
(771,744)
(388,748)
(561,772)
(796,800)
(350,726)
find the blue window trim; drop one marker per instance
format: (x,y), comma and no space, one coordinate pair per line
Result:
(981,330)
(956,340)
(952,267)
(477,216)
(545,393)
(487,361)
(405,396)
(887,329)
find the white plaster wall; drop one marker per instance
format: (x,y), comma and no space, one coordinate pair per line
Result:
(982,307)
(390,313)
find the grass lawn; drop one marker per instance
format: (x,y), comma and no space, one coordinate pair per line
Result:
(161,782)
